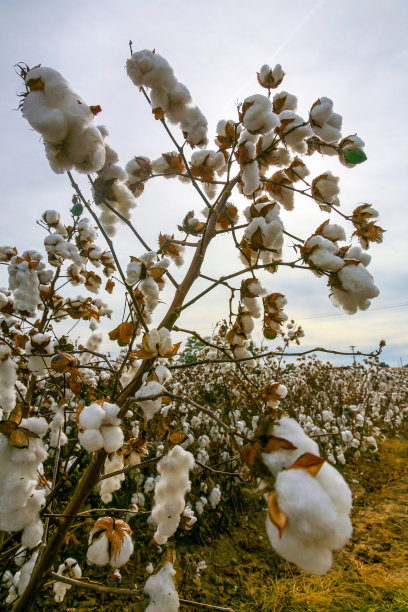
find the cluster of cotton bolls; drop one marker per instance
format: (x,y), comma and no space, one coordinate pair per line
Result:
(110,189)
(170,491)
(26,273)
(204,164)
(148,272)
(8,379)
(325,189)
(110,542)
(58,437)
(20,580)
(309,509)
(59,249)
(153,388)
(294,131)
(37,349)
(161,590)
(258,116)
(108,486)
(84,307)
(352,286)
(273,314)
(101,426)
(70,569)
(325,123)
(173,250)
(22,499)
(64,121)
(239,337)
(249,165)
(264,234)
(169,97)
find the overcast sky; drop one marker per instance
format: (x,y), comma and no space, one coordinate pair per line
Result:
(353,51)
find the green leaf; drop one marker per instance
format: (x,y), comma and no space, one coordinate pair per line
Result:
(354,156)
(77,210)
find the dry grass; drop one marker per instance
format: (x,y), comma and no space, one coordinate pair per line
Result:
(369,575)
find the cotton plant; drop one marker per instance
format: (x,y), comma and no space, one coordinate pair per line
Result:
(84,402)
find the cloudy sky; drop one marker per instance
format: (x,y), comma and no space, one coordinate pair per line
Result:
(353,51)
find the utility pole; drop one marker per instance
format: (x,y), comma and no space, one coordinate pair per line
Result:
(354,355)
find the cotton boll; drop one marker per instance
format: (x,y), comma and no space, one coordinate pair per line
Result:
(98,550)
(357,253)
(250,178)
(8,379)
(215,496)
(50,122)
(284,101)
(25,573)
(109,485)
(161,590)
(124,552)
(91,417)
(314,559)
(32,534)
(112,438)
(333,232)
(91,440)
(357,290)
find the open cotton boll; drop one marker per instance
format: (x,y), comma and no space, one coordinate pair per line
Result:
(25,573)
(161,590)
(250,178)
(91,440)
(357,253)
(336,488)
(109,485)
(149,407)
(311,558)
(284,101)
(8,379)
(333,232)
(110,542)
(64,121)
(32,534)
(323,253)
(112,438)
(98,550)
(290,430)
(111,414)
(357,290)
(91,416)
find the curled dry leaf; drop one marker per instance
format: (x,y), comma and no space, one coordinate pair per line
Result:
(63,362)
(277,516)
(19,437)
(309,462)
(122,333)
